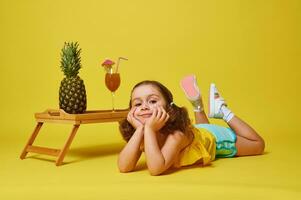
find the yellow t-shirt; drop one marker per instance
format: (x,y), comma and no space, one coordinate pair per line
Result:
(203,147)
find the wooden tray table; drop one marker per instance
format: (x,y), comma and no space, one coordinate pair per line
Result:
(60,116)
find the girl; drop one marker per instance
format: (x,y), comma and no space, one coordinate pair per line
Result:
(164,132)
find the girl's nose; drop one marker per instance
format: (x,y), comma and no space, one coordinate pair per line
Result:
(145,106)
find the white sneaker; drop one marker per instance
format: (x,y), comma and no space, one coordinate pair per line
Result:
(215,103)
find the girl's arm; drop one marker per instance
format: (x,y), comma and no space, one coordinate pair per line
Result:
(131,153)
(159,160)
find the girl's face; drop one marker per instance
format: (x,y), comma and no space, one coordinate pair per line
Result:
(144,99)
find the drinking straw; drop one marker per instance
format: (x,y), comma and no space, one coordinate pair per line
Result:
(118,61)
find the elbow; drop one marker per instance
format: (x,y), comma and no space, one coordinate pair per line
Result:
(155,171)
(156,168)
(125,169)
(155,174)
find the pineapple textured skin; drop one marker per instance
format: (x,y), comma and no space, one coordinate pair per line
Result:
(72,95)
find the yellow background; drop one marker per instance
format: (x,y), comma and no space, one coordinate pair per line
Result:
(249,48)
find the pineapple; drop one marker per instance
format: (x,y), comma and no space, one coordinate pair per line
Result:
(72,94)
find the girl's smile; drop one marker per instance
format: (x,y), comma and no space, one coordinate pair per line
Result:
(145,115)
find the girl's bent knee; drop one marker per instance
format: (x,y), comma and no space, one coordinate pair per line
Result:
(262,146)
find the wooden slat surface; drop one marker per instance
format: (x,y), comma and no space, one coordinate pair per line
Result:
(93,116)
(43,150)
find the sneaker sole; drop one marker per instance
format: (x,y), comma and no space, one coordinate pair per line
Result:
(191,90)
(211,100)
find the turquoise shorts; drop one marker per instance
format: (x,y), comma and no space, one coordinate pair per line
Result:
(225,139)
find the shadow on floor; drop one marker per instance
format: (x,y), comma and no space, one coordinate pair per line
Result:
(85,153)
(175,170)
(89,152)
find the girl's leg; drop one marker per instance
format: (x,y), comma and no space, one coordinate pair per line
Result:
(193,94)
(201,117)
(248,140)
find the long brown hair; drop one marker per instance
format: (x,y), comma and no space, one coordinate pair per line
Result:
(178,116)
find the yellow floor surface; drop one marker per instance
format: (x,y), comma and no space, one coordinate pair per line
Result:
(250,49)
(90,171)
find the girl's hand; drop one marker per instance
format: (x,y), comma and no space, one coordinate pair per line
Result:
(158,119)
(133,120)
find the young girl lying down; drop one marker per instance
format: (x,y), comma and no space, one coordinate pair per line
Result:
(156,126)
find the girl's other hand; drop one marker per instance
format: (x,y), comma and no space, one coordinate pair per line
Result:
(158,119)
(133,120)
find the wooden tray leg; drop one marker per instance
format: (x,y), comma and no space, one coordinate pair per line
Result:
(31,139)
(67,144)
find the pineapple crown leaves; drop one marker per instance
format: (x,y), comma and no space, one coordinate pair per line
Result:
(70,59)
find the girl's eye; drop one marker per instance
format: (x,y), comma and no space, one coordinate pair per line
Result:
(137,104)
(153,101)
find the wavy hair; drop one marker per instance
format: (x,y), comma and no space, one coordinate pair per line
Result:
(178,116)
